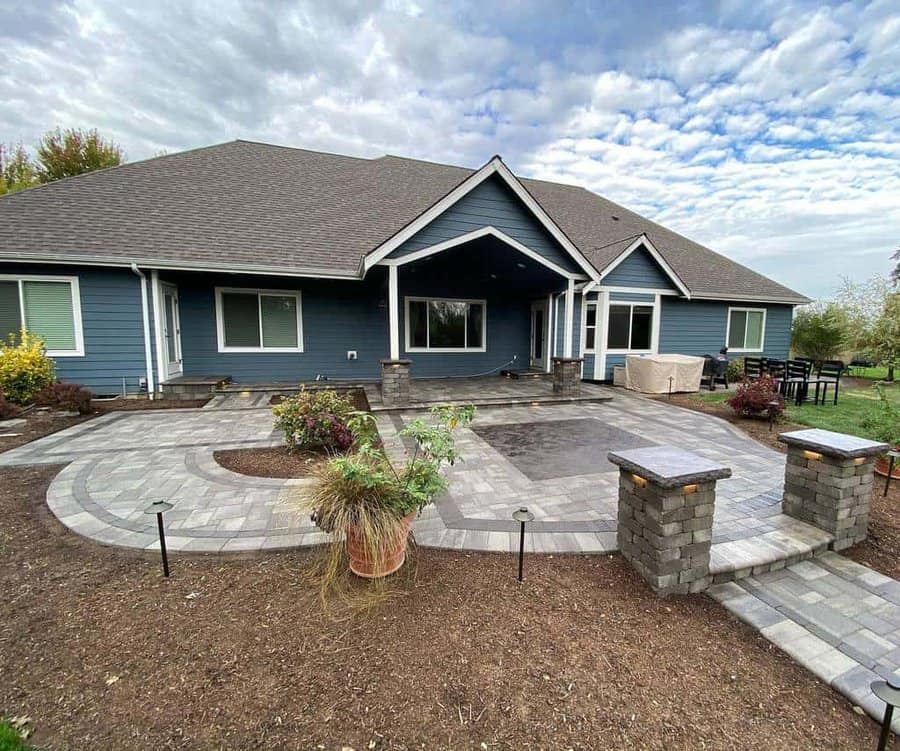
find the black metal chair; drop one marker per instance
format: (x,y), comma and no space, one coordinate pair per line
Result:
(796,380)
(830,372)
(754,367)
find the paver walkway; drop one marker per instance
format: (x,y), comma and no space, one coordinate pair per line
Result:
(837,618)
(514,456)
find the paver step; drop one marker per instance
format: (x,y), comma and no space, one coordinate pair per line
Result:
(837,618)
(790,541)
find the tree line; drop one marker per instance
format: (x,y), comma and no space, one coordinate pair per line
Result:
(59,153)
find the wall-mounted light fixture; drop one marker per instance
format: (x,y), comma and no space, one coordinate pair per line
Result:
(812,455)
(688,489)
(639,481)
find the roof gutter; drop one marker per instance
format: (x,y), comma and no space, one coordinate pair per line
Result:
(145,312)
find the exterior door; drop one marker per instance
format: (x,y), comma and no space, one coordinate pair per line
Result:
(538,355)
(171,326)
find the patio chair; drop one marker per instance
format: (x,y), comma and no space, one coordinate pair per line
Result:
(830,372)
(776,370)
(754,367)
(795,384)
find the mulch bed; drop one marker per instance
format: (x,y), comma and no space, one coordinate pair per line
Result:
(101,652)
(125,405)
(272,462)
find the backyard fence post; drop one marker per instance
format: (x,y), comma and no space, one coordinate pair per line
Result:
(829,482)
(666,502)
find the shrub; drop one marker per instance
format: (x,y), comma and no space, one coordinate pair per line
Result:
(820,333)
(882,423)
(735,370)
(8,409)
(25,367)
(66,397)
(315,419)
(759,398)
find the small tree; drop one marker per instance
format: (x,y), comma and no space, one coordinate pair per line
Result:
(74,152)
(820,332)
(883,341)
(17,171)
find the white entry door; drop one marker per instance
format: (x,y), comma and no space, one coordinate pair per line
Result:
(538,355)
(171,326)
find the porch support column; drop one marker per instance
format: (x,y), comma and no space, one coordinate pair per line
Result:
(570,318)
(394,312)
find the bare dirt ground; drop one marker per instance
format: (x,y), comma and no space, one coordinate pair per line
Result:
(271,462)
(101,652)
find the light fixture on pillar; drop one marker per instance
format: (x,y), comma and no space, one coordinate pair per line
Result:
(812,455)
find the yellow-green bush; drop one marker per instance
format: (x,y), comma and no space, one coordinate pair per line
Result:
(24,367)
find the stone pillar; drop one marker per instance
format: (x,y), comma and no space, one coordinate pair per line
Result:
(666,501)
(566,375)
(828,482)
(395,382)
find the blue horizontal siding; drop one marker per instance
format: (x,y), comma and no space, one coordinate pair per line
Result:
(492,203)
(698,327)
(631,297)
(113,327)
(337,316)
(639,269)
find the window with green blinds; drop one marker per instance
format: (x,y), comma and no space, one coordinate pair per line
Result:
(48,312)
(10,316)
(252,320)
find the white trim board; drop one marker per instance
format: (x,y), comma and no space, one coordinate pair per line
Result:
(488,231)
(494,167)
(644,242)
(220,321)
(77,321)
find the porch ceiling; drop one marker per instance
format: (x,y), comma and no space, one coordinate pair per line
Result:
(488,261)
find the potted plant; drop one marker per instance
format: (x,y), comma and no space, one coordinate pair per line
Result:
(368,505)
(883,424)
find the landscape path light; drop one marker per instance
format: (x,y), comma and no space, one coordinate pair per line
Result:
(889,692)
(159,508)
(523,515)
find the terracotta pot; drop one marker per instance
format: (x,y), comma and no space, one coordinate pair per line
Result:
(883,463)
(362,565)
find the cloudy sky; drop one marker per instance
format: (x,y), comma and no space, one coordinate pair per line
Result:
(769,131)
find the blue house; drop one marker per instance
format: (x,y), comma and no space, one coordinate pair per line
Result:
(266,263)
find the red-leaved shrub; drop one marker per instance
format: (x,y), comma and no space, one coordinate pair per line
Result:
(759,398)
(8,409)
(66,397)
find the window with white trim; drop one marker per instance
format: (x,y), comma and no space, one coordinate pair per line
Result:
(47,306)
(630,327)
(590,327)
(258,320)
(436,325)
(746,329)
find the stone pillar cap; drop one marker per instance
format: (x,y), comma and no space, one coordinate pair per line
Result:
(396,362)
(830,443)
(669,466)
(566,359)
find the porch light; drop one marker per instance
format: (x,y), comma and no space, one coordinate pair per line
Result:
(522,516)
(159,508)
(520,264)
(812,455)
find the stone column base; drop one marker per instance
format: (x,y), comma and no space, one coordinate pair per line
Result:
(566,375)
(828,482)
(667,499)
(395,382)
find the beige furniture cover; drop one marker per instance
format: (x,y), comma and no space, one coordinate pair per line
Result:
(650,374)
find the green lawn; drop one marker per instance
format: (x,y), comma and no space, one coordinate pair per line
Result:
(10,740)
(854,403)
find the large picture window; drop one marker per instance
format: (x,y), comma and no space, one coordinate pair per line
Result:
(259,321)
(445,325)
(630,328)
(746,329)
(47,306)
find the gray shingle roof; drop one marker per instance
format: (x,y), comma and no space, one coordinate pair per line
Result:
(245,205)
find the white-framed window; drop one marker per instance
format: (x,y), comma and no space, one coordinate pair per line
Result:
(49,306)
(590,327)
(629,327)
(746,331)
(445,325)
(259,320)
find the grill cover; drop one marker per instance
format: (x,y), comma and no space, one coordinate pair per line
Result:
(650,374)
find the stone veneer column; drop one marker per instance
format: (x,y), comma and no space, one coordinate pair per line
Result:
(666,501)
(566,375)
(395,382)
(828,482)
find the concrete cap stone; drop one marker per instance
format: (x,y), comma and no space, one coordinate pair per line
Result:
(669,466)
(833,444)
(396,362)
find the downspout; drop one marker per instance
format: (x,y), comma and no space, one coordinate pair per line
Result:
(145,310)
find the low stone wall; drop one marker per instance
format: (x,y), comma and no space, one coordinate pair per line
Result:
(828,482)
(566,375)
(666,504)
